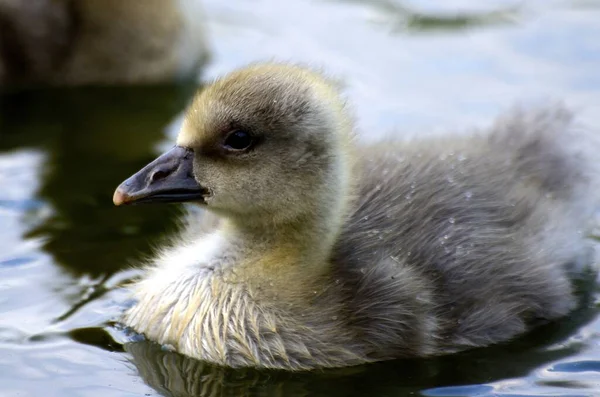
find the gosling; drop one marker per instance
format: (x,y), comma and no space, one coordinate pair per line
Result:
(318,251)
(65,42)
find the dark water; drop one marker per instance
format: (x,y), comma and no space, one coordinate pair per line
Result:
(64,249)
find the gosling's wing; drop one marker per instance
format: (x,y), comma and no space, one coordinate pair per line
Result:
(477,220)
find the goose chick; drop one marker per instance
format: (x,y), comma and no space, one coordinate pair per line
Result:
(68,42)
(330,253)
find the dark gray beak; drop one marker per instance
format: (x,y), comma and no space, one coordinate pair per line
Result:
(167,179)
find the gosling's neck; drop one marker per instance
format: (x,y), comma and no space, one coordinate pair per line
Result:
(292,257)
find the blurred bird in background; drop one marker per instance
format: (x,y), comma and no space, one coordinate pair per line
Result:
(100,42)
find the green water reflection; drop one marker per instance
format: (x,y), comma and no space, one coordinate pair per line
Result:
(93,139)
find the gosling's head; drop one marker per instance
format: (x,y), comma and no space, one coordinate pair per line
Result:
(268,142)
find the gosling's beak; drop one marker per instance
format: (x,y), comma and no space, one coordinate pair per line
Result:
(169,178)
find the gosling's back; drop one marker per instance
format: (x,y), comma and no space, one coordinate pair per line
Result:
(457,243)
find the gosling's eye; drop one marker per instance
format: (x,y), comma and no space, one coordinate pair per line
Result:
(238,140)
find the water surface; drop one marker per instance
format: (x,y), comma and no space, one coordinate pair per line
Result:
(411,68)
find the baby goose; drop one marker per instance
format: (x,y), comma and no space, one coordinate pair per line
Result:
(99,41)
(331,254)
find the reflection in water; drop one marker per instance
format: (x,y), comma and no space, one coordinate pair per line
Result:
(175,375)
(172,374)
(94,139)
(90,140)
(403,18)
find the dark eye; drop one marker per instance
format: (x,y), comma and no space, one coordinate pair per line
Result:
(238,140)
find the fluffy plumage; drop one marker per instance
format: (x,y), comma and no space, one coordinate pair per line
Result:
(329,253)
